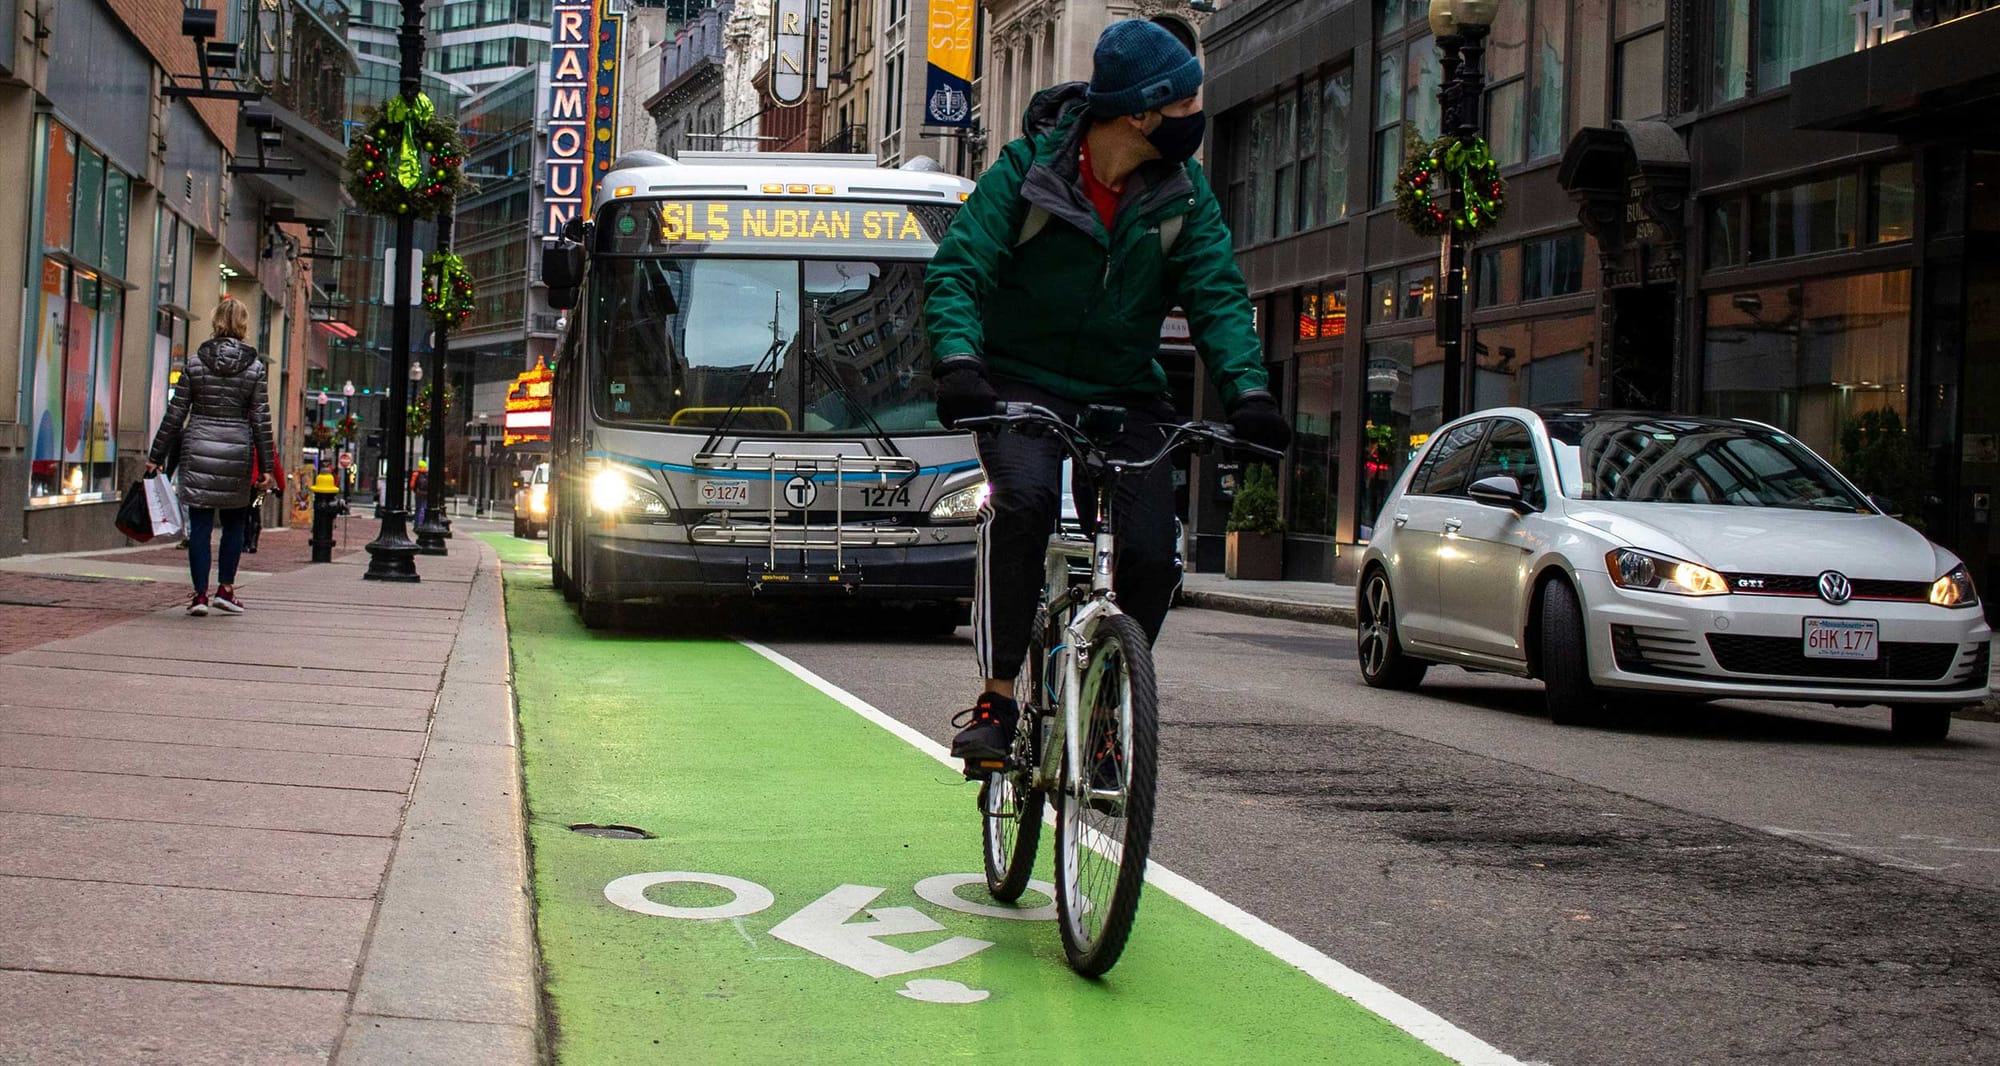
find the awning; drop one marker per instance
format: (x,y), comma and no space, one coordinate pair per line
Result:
(1941,81)
(337,328)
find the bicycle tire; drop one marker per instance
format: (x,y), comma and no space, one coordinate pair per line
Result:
(1009,840)
(1093,944)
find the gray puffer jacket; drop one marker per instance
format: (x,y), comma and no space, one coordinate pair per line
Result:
(219,413)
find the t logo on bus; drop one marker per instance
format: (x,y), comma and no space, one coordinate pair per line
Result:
(800,491)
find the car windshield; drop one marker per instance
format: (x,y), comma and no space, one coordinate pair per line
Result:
(1669,460)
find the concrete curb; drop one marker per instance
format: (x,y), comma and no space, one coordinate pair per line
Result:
(449,974)
(1288,610)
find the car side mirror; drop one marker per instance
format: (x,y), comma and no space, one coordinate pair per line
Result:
(562,272)
(1500,491)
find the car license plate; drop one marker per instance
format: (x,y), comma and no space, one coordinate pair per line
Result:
(1841,638)
(725,493)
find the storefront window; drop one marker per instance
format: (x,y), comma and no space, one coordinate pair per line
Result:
(1315,437)
(1552,266)
(1396,420)
(76,336)
(1388,123)
(1892,202)
(1815,216)
(1810,357)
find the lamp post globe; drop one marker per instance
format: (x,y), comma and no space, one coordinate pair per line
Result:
(347,390)
(416,371)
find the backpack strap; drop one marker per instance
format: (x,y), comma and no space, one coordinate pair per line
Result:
(1036,219)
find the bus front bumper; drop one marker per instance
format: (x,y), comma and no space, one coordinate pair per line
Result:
(628,569)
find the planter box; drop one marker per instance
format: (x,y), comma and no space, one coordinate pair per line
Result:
(1255,557)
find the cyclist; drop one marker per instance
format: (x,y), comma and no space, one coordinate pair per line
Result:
(1051,288)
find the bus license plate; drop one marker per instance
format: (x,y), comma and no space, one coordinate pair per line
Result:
(1841,638)
(725,493)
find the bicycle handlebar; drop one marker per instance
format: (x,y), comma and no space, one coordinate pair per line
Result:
(1018,416)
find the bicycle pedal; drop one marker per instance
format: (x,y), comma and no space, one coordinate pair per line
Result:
(978,769)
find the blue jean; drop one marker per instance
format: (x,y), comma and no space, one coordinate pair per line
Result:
(201,522)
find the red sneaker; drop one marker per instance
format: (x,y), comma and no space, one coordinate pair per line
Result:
(198,606)
(226,601)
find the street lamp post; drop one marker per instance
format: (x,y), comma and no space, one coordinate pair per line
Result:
(392,555)
(435,529)
(479,490)
(1461,27)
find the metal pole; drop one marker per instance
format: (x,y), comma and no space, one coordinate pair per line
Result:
(1472,80)
(392,555)
(435,529)
(1451,400)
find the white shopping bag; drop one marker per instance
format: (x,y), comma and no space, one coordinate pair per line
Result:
(163,506)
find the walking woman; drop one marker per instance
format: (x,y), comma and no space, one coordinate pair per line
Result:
(220,419)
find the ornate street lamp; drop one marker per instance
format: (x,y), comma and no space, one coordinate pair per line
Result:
(1461,27)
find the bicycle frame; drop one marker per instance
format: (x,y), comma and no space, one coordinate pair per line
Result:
(1062,730)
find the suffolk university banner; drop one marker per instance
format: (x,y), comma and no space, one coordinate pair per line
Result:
(948,49)
(583,106)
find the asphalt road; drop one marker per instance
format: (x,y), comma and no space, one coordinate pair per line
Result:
(1737,883)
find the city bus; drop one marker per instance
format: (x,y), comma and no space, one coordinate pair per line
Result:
(743,399)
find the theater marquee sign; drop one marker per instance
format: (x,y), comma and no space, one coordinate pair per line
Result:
(583,106)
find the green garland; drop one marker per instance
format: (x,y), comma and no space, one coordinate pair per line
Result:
(407,162)
(447,289)
(1468,160)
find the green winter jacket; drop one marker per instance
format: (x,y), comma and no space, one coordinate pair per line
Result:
(1072,309)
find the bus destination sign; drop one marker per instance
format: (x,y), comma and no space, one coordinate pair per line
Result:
(662,225)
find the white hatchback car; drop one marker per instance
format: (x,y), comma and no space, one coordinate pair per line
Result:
(1701,557)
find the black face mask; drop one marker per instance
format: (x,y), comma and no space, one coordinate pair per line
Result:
(1177,139)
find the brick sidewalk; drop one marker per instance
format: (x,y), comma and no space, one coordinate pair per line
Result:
(38,608)
(213,850)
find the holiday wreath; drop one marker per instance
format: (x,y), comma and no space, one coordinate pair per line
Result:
(1466,159)
(447,289)
(407,161)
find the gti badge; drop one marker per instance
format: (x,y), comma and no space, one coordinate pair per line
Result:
(1833,587)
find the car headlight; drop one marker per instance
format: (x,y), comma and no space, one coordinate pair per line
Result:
(538,501)
(1954,589)
(1633,569)
(962,505)
(612,492)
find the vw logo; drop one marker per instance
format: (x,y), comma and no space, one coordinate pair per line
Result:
(1833,587)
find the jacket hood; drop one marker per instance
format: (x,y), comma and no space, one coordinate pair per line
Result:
(1048,108)
(226,356)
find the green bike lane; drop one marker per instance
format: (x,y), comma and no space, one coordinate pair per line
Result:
(811,889)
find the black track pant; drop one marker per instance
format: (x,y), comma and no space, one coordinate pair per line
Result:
(1026,474)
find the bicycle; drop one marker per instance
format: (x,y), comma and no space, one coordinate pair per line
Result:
(1088,731)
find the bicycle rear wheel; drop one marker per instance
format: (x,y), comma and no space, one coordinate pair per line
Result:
(1104,814)
(1010,806)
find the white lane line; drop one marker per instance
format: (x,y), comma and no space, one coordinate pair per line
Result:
(1398,1010)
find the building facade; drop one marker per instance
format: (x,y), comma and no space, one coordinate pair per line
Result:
(128,225)
(1696,220)
(686,109)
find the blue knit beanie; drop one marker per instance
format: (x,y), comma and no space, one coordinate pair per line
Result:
(1140,66)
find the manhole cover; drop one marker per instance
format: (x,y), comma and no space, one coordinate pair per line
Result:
(615,832)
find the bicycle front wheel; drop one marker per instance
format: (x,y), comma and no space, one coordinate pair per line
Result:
(1104,819)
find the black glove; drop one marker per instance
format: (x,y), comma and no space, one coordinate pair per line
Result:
(1256,420)
(964,392)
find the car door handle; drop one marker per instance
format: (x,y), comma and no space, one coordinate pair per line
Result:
(1452,525)
(1402,520)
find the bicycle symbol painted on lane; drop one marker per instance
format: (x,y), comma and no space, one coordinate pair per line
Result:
(827,927)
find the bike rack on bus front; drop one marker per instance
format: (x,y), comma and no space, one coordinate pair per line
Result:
(805,536)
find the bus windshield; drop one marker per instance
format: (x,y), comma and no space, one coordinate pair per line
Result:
(794,345)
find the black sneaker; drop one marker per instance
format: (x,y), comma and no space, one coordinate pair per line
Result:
(988,734)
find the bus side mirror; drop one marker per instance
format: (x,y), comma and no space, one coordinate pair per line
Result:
(562,272)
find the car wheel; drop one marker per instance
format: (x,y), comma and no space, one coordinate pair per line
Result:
(1573,700)
(1384,664)
(1925,724)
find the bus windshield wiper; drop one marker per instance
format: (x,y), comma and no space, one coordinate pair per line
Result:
(771,355)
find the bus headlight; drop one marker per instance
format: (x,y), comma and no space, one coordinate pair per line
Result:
(612,492)
(963,505)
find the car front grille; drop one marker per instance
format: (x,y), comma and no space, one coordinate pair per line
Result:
(1785,657)
(1865,588)
(1641,650)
